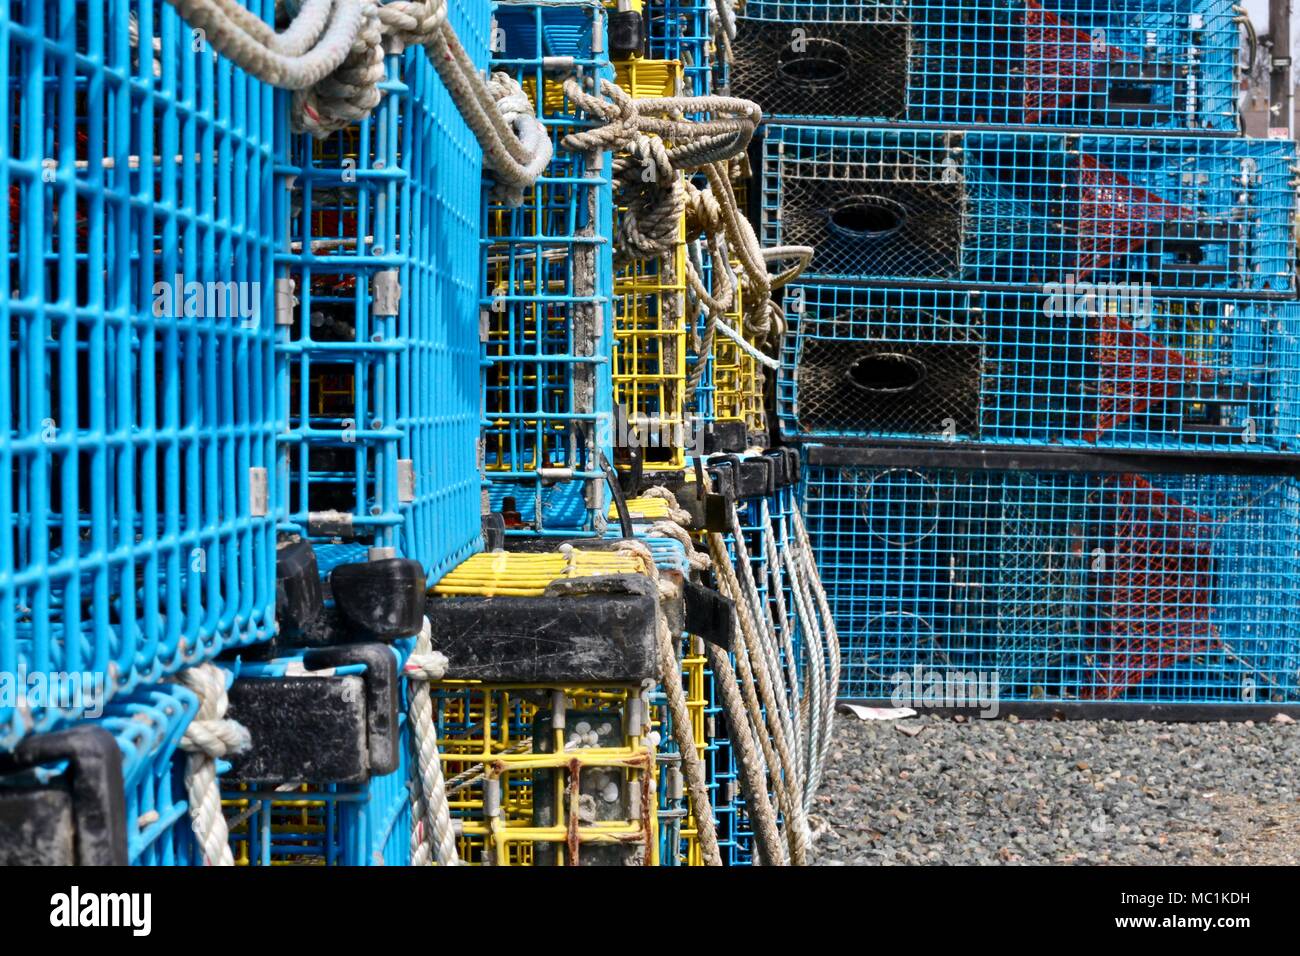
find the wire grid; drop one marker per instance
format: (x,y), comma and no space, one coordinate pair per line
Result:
(324,823)
(1064,587)
(679,843)
(731,820)
(525,792)
(439,402)
(148,724)
(737,378)
(680,30)
(1180,213)
(137,415)
(1085,365)
(547,387)
(342,207)
(648,370)
(1155,64)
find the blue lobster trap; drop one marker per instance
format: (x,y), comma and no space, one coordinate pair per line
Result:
(1059,586)
(137,408)
(135,811)
(547,316)
(358,822)
(996,208)
(1085,365)
(378,338)
(1157,64)
(148,724)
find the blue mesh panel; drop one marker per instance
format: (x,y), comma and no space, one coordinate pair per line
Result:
(1180,213)
(1158,64)
(1088,366)
(1068,587)
(548,290)
(137,405)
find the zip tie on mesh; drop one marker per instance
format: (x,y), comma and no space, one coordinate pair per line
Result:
(209,737)
(432,835)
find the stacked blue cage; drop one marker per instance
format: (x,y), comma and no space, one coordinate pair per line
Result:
(138,406)
(1039,245)
(1150,64)
(931,206)
(547,312)
(380,223)
(1066,586)
(223,333)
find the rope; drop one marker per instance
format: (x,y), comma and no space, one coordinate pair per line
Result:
(670,676)
(818,704)
(675,511)
(762,817)
(332,57)
(830,634)
(209,738)
(432,836)
(753,685)
(776,598)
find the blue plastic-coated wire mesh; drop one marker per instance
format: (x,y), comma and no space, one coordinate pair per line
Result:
(438,395)
(323,823)
(137,407)
(680,30)
(1180,213)
(1060,586)
(379,354)
(148,724)
(1157,64)
(547,305)
(1082,365)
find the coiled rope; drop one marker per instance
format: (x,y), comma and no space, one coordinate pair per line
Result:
(332,56)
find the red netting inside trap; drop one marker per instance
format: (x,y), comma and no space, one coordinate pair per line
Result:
(1114,216)
(1135,372)
(1061,62)
(1156,587)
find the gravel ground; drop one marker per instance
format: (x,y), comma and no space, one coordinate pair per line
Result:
(1008,791)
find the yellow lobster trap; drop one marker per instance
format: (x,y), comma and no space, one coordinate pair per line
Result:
(544,721)
(650,321)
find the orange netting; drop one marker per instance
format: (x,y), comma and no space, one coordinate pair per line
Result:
(1135,372)
(1061,62)
(1156,587)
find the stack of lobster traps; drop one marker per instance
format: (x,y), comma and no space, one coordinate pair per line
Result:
(1043,363)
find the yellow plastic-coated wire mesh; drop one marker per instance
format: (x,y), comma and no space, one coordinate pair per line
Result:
(520,800)
(522,574)
(649,361)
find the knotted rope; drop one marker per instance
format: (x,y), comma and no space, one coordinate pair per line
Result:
(432,835)
(210,737)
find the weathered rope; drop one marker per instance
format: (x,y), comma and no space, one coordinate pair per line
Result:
(209,737)
(332,57)
(670,677)
(432,835)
